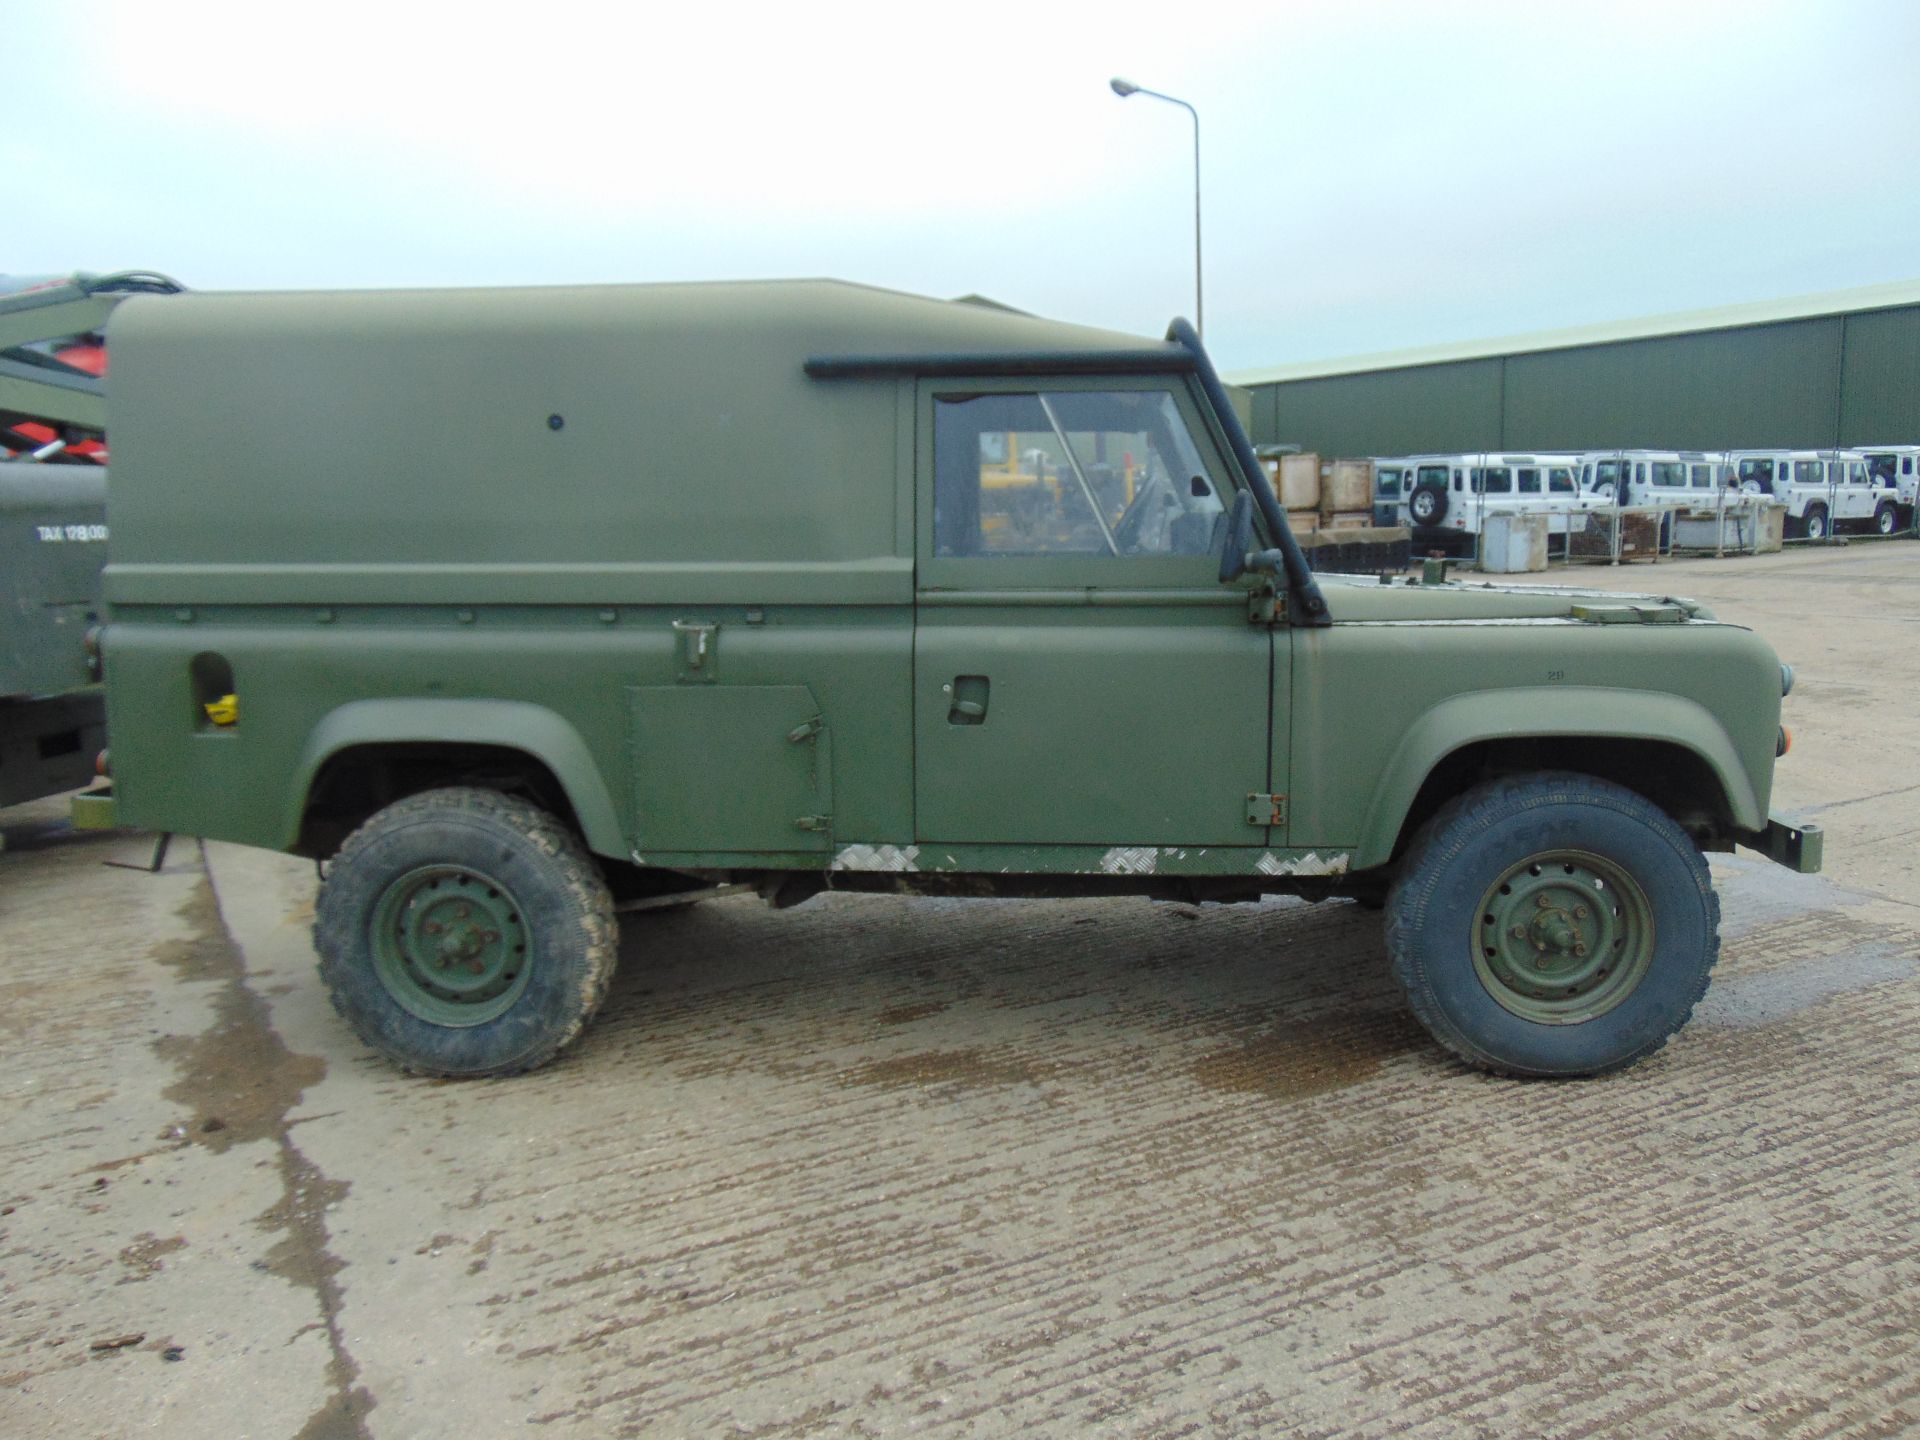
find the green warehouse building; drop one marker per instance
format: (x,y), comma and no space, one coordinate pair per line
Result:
(1807,373)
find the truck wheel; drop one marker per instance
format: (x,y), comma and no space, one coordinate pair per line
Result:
(1428,503)
(1814,527)
(1885,521)
(463,932)
(1552,924)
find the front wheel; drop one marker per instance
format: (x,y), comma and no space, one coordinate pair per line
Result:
(1552,924)
(1815,525)
(1885,520)
(463,932)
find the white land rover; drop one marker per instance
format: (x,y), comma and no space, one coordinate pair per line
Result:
(1823,489)
(1452,495)
(1897,468)
(1651,477)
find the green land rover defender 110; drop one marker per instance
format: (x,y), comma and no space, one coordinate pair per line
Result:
(519,607)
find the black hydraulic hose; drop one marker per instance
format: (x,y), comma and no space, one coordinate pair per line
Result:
(1300,582)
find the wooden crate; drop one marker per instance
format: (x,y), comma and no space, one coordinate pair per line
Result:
(1346,485)
(1298,482)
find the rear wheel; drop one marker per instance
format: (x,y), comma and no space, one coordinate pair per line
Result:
(1814,527)
(1552,924)
(1885,520)
(463,932)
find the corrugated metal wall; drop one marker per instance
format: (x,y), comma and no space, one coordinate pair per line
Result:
(1836,379)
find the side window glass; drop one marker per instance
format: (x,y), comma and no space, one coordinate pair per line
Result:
(1529,481)
(1498,480)
(1068,473)
(1560,481)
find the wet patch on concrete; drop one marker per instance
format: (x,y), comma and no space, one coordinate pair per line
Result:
(1748,1001)
(970,1068)
(240,1083)
(907,1014)
(1755,894)
(1292,1061)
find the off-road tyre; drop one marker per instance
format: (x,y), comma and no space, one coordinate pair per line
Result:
(1428,504)
(1815,526)
(537,927)
(1664,911)
(1886,521)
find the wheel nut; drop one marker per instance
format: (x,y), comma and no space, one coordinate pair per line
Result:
(1579,949)
(1543,901)
(1579,912)
(464,910)
(1541,963)
(1519,932)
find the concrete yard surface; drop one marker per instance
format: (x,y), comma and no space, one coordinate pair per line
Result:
(882,1166)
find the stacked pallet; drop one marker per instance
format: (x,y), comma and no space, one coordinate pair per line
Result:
(1322,494)
(1329,505)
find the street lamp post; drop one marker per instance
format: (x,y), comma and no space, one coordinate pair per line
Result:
(1124,88)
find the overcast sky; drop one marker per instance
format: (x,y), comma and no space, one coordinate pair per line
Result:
(1377,175)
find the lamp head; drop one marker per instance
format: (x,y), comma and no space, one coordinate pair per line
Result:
(1122,88)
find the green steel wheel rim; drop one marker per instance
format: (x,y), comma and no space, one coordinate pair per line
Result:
(1562,937)
(451,946)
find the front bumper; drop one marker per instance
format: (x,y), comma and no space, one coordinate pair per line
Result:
(1798,847)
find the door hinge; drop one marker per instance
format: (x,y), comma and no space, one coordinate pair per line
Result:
(1264,810)
(814,822)
(1265,606)
(808,730)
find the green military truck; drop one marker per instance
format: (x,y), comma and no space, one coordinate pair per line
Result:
(53,540)
(53,526)
(519,607)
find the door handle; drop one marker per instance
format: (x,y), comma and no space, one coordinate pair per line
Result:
(969,704)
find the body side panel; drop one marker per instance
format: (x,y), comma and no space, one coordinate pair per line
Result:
(1376,706)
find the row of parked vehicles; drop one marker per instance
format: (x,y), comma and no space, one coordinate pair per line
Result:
(1450,497)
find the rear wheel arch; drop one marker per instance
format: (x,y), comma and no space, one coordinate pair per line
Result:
(368,754)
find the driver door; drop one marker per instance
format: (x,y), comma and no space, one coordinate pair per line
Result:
(1081,676)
